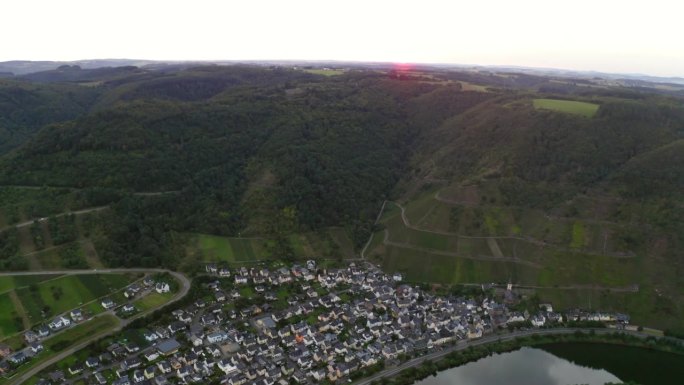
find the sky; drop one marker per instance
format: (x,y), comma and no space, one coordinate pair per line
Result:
(604,35)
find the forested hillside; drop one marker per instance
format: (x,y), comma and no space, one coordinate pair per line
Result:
(336,148)
(502,177)
(25,107)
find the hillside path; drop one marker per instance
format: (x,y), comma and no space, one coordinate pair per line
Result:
(76,212)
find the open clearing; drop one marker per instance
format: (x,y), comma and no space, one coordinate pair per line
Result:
(10,322)
(329,242)
(152,301)
(325,72)
(568,106)
(8,282)
(465,86)
(216,248)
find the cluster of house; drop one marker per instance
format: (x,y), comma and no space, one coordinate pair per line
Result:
(34,338)
(334,322)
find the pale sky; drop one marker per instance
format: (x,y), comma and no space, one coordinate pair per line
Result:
(603,35)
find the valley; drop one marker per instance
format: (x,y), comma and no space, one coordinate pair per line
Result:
(567,190)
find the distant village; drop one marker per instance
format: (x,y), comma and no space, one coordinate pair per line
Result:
(310,324)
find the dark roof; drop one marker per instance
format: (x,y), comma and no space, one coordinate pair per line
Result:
(168,346)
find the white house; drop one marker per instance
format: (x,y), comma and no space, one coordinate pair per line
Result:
(150,336)
(538,320)
(107,303)
(162,287)
(76,315)
(217,337)
(59,323)
(226,366)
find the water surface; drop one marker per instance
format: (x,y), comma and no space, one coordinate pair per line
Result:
(522,367)
(643,366)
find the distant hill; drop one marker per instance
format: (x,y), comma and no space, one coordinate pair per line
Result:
(74,73)
(22,67)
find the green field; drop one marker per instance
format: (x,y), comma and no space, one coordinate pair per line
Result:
(215,248)
(152,301)
(10,323)
(568,106)
(10,318)
(9,282)
(542,250)
(72,336)
(327,243)
(578,236)
(68,256)
(325,72)
(68,292)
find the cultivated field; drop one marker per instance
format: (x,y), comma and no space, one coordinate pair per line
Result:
(331,242)
(465,86)
(215,248)
(572,252)
(325,72)
(152,301)
(568,106)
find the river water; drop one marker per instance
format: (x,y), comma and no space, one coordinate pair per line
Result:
(567,364)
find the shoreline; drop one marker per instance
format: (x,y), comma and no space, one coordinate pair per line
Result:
(418,368)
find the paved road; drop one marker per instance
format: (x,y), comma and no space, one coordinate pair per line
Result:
(77,212)
(86,210)
(389,372)
(156,193)
(185,288)
(150,193)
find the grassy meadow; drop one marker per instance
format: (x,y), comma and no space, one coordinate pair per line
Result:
(331,242)
(567,106)
(325,72)
(152,301)
(215,248)
(10,320)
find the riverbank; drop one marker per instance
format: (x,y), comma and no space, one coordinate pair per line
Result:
(421,367)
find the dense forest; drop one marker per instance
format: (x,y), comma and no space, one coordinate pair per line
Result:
(272,151)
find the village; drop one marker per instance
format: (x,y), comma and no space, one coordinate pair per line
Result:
(303,324)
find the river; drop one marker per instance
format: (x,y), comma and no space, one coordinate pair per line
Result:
(568,363)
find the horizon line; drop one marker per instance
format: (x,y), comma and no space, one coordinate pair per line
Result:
(376,62)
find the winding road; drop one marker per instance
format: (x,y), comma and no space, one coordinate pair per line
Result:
(407,224)
(184,281)
(491,240)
